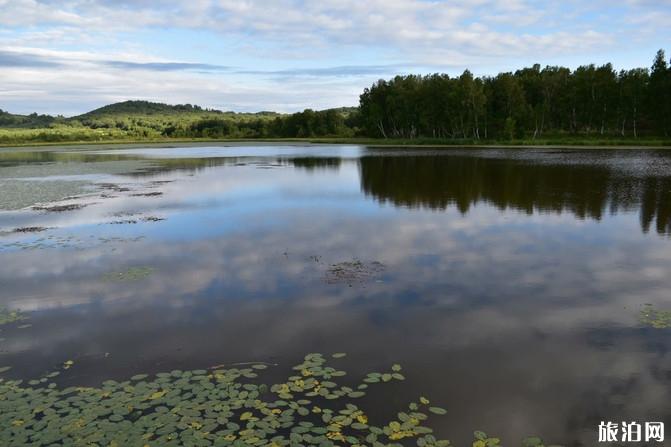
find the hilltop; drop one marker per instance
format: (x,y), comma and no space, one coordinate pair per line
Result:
(134,107)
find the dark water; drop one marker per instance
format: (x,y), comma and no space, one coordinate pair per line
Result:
(509,283)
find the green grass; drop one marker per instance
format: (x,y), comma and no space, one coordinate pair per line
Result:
(56,137)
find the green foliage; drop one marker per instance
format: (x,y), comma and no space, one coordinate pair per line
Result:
(526,104)
(531,105)
(205,407)
(142,120)
(27,121)
(141,108)
(482,440)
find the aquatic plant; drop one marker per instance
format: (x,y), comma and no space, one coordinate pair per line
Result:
(355,271)
(132,274)
(61,208)
(215,407)
(658,319)
(6,317)
(10,316)
(29,229)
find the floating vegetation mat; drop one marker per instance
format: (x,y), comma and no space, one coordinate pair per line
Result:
(66,241)
(10,316)
(132,274)
(135,221)
(113,187)
(147,194)
(60,208)
(658,319)
(351,272)
(30,229)
(215,407)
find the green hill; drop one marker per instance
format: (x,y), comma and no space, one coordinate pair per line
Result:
(145,119)
(148,108)
(141,108)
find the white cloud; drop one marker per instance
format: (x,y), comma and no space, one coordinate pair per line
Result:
(283,35)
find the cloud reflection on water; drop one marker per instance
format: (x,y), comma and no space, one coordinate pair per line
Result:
(518,311)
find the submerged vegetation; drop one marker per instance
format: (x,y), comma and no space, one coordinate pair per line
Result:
(10,316)
(658,319)
(552,105)
(351,272)
(131,274)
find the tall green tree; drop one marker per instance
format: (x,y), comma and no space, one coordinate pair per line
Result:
(659,94)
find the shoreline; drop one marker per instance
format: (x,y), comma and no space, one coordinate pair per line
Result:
(370,142)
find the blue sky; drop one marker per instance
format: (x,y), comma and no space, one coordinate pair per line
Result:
(69,56)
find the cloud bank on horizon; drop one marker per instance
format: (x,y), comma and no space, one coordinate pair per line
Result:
(69,56)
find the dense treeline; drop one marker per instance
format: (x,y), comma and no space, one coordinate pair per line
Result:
(528,103)
(27,121)
(306,124)
(555,104)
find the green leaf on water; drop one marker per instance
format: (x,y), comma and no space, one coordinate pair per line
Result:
(480,435)
(437,410)
(532,441)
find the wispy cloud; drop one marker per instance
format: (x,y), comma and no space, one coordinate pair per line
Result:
(15,59)
(165,66)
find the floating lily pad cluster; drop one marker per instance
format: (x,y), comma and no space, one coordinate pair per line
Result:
(216,407)
(10,316)
(209,407)
(658,319)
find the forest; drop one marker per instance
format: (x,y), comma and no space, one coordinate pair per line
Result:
(526,104)
(533,104)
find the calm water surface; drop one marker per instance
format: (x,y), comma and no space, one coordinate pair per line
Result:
(508,283)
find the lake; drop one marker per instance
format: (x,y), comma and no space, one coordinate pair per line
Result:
(509,284)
